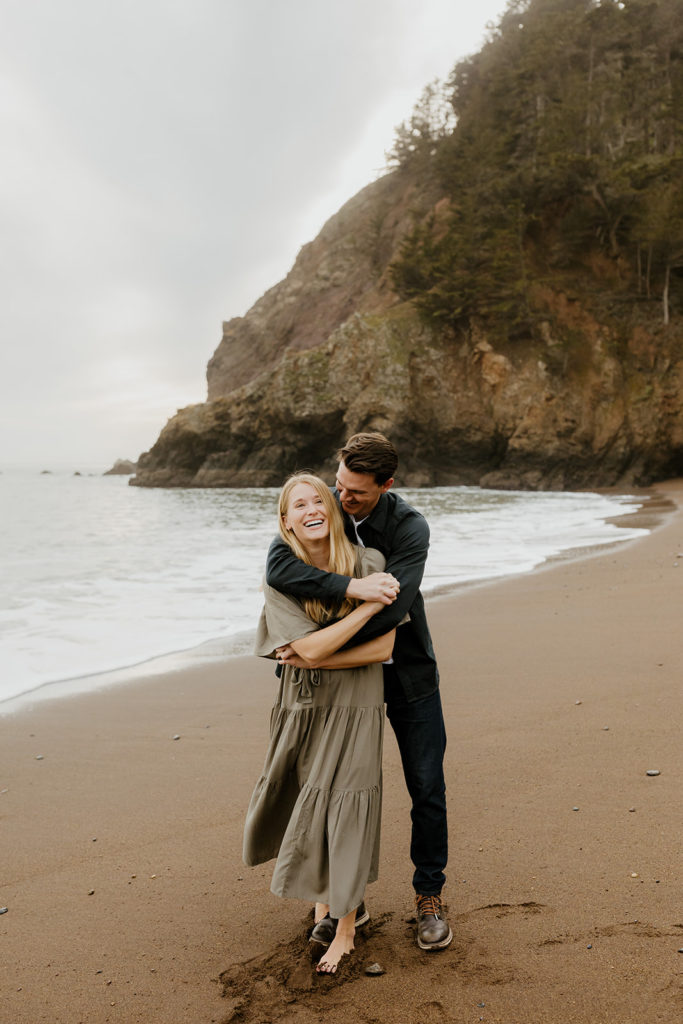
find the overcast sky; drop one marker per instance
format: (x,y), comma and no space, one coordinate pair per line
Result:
(163,162)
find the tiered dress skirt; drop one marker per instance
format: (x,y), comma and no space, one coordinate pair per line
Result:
(317,805)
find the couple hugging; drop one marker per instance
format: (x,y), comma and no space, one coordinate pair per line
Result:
(345,620)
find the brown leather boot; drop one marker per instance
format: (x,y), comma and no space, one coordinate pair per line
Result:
(433,932)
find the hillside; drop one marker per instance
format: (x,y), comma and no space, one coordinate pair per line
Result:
(506,303)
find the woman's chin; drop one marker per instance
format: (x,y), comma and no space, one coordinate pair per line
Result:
(314,536)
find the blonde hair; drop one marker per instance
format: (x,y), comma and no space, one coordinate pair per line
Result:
(342,552)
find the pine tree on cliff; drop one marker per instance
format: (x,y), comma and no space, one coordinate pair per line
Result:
(568,139)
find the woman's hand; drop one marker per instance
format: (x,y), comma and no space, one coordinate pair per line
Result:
(287,656)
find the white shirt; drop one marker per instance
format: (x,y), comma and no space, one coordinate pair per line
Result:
(356,524)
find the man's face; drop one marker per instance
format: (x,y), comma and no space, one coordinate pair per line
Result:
(359,492)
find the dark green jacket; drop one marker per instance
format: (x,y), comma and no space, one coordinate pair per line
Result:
(401,533)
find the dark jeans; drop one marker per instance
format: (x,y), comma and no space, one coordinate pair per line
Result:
(421,737)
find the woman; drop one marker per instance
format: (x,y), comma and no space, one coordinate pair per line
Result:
(317,805)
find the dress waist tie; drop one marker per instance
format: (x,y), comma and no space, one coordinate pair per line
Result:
(305,678)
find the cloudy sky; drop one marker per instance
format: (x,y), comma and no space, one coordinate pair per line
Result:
(163,162)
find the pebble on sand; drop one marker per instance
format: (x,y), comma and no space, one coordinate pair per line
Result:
(3,910)
(653,771)
(176,737)
(374,969)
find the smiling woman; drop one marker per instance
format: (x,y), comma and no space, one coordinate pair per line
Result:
(304,502)
(317,804)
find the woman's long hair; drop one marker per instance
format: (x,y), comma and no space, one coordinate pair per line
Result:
(342,551)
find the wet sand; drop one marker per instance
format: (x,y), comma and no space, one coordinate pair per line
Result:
(120,857)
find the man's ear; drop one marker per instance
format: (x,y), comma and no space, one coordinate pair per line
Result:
(387,484)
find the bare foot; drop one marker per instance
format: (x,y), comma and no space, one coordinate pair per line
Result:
(341,945)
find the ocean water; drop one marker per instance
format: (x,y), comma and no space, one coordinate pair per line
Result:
(97,575)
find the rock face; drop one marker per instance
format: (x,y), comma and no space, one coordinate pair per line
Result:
(343,271)
(122,467)
(331,350)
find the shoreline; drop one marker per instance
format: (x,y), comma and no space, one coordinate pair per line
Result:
(122,811)
(653,510)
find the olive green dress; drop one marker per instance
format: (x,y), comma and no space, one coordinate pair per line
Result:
(317,805)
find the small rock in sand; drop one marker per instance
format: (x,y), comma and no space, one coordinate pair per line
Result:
(374,969)
(3,910)
(653,771)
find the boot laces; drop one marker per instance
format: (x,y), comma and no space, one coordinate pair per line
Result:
(428,905)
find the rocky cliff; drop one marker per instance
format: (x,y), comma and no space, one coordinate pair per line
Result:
(342,272)
(592,400)
(507,304)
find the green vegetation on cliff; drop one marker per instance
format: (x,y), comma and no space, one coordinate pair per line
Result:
(506,304)
(560,142)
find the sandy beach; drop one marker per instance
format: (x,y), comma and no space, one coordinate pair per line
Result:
(121,818)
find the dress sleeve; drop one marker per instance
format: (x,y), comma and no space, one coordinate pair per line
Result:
(369,560)
(282,621)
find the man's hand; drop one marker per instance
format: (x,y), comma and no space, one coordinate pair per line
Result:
(380,586)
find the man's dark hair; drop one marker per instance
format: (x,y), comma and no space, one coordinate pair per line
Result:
(370,453)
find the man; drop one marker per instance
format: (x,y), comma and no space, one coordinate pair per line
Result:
(380,519)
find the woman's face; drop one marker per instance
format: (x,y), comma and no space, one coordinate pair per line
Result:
(306,515)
